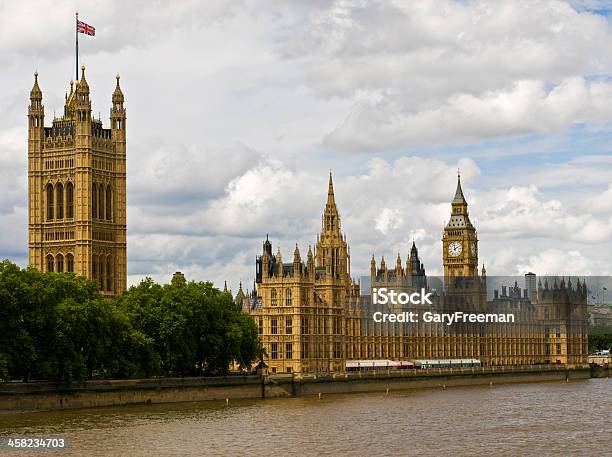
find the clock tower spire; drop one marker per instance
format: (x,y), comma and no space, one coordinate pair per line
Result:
(459,241)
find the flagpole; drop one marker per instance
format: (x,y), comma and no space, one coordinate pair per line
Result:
(76,30)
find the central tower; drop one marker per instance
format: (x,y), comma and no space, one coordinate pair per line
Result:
(459,241)
(77,189)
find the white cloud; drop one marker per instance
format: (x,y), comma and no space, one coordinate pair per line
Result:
(236,112)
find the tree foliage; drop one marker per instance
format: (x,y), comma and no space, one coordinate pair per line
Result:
(57,326)
(600,337)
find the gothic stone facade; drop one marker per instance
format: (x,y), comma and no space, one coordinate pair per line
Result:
(77,189)
(312,317)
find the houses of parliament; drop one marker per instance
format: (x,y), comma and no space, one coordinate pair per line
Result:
(313,317)
(77,188)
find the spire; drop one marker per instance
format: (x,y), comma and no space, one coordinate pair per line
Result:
(240,295)
(83,82)
(413,249)
(459,198)
(35,93)
(296,254)
(118,94)
(331,218)
(225,286)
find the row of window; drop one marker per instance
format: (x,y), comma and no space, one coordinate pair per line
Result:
(102,271)
(60,201)
(276,354)
(101,268)
(102,206)
(59,163)
(305,326)
(59,235)
(103,164)
(274,296)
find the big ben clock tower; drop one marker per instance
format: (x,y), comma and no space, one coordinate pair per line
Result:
(459,241)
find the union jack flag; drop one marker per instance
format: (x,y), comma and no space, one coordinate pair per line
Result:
(85,28)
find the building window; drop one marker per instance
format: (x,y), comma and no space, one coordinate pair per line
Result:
(101,202)
(70,200)
(108,275)
(101,274)
(94,268)
(274,326)
(304,350)
(60,263)
(50,263)
(70,263)
(304,325)
(558,348)
(273,296)
(288,326)
(94,201)
(274,351)
(289,350)
(260,326)
(337,350)
(50,202)
(109,196)
(330,222)
(336,324)
(288,299)
(59,193)
(558,332)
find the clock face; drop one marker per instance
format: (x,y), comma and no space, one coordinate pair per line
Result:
(473,248)
(454,249)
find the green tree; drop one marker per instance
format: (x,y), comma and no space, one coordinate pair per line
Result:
(196,328)
(600,337)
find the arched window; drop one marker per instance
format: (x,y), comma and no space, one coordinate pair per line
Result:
(50,202)
(70,263)
(70,200)
(94,201)
(59,193)
(94,268)
(288,299)
(60,263)
(109,198)
(50,263)
(101,202)
(273,296)
(101,273)
(108,274)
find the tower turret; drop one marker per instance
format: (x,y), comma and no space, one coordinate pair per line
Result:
(459,241)
(297,262)
(398,266)
(36,118)
(117,113)
(310,264)
(373,268)
(77,182)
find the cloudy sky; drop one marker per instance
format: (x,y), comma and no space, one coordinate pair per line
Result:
(238,110)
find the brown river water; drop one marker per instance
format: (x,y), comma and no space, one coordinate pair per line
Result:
(541,419)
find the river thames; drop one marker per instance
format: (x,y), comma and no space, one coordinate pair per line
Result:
(552,418)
